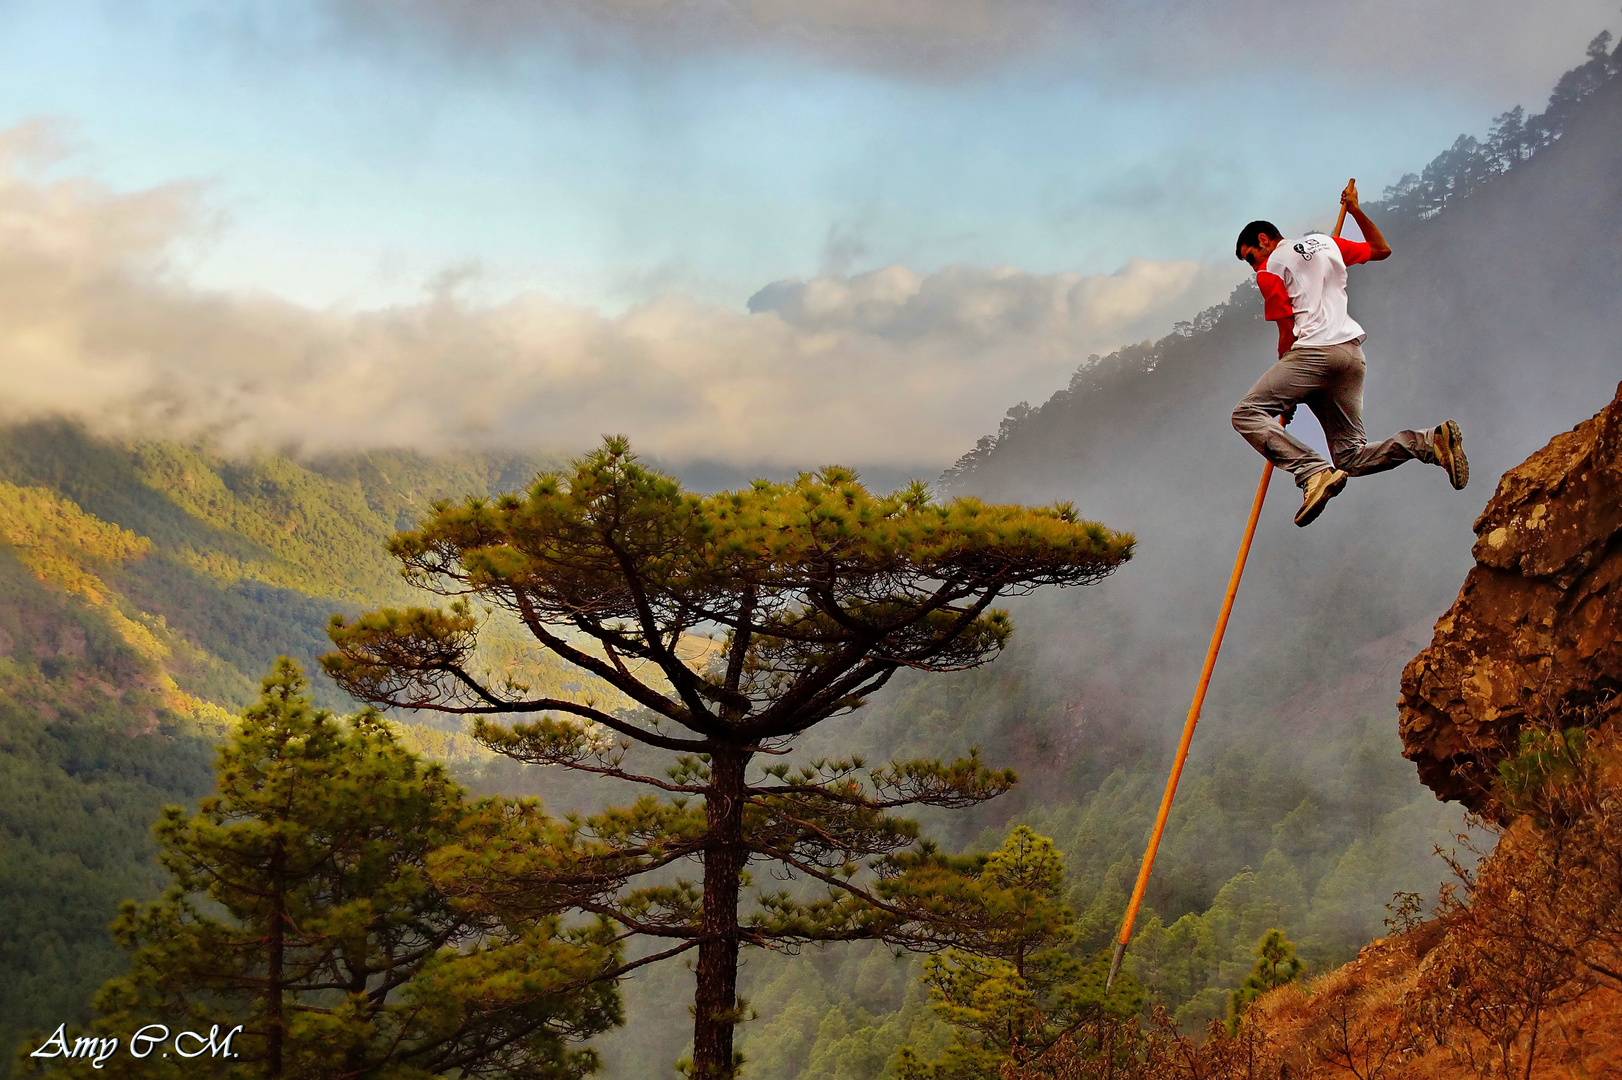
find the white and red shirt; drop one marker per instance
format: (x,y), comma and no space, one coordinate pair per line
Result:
(1307,278)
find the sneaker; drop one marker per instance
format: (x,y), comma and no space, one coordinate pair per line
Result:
(1321,487)
(1447,443)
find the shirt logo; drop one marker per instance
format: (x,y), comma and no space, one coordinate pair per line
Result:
(1309,247)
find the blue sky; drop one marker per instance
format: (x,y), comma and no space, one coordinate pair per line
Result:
(357,169)
(355,155)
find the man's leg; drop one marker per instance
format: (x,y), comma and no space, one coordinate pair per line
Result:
(1338,405)
(1294,379)
(1297,377)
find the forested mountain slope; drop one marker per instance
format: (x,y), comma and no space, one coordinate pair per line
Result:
(144,590)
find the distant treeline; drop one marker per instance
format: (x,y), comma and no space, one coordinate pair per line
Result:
(1470,163)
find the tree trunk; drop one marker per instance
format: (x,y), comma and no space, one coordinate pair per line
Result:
(273,960)
(716,999)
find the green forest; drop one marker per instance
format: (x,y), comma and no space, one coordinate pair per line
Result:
(147,587)
(139,613)
(146,590)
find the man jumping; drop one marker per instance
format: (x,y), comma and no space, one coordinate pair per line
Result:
(1320,364)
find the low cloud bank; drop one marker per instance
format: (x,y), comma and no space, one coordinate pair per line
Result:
(888,367)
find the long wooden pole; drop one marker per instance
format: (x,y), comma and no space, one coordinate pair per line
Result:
(1194,709)
(1188,725)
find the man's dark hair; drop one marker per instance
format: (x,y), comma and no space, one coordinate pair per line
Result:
(1253,232)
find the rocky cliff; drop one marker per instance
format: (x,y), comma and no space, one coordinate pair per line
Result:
(1537,628)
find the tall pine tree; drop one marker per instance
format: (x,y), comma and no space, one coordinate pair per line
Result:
(1015,986)
(1276,965)
(303,910)
(813,594)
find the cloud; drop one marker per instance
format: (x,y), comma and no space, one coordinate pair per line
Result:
(1502,45)
(969,310)
(906,35)
(889,367)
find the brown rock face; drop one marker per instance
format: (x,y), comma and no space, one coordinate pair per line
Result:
(1535,630)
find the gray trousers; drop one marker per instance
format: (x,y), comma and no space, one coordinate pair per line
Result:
(1328,379)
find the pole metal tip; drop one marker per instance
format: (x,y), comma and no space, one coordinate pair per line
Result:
(1115,964)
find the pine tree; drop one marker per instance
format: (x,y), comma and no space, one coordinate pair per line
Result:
(1469,165)
(1276,965)
(303,909)
(815,593)
(1014,987)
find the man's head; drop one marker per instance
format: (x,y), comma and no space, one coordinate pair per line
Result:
(1256,242)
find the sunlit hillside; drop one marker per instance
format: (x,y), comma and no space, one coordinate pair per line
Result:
(144,591)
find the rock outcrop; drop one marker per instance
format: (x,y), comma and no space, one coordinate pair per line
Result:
(1537,629)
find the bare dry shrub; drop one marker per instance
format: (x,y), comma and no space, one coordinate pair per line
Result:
(1407,912)
(1569,788)
(1109,1049)
(1103,1048)
(1538,923)
(1363,1039)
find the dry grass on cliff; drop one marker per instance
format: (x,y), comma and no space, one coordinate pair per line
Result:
(1354,1022)
(1521,976)
(1358,1021)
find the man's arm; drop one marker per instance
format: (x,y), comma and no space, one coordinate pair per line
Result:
(1378,248)
(1276,308)
(1286,334)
